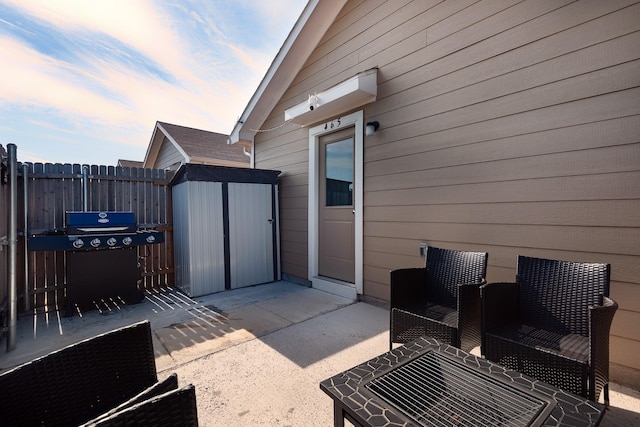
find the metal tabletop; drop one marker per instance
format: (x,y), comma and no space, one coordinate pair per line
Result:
(426,383)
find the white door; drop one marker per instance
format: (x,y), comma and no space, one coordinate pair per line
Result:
(336,237)
(352,286)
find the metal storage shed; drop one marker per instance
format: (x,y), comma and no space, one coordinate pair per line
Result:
(225,227)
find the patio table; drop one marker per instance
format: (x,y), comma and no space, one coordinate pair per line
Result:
(427,383)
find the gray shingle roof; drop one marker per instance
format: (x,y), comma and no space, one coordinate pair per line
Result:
(202,143)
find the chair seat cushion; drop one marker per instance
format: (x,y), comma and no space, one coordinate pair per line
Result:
(440,313)
(570,346)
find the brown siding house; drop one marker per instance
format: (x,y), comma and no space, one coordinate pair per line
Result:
(172,145)
(511,127)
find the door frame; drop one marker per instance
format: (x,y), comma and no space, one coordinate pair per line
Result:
(356,120)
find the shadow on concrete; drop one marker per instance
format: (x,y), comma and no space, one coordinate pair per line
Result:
(615,417)
(315,339)
(185,321)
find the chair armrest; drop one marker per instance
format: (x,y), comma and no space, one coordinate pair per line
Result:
(408,286)
(600,319)
(469,315)
(469,299)
(604,311)
(499,304)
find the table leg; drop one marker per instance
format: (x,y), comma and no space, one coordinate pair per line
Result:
(338,415)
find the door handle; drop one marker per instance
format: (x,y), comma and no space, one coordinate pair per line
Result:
(270,220)
(353,211)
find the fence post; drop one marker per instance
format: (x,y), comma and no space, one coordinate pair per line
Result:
(85,188)
(25,195)
(13,245)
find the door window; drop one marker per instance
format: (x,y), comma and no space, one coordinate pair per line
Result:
(339,173)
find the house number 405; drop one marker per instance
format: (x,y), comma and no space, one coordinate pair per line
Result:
(332,124)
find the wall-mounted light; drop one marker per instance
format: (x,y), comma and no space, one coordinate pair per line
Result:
(371,128)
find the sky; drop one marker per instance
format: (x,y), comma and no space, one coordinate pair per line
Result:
(84,81)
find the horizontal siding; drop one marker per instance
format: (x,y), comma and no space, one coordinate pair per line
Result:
(511,127)
(581,213)
(168,155)
(614,186)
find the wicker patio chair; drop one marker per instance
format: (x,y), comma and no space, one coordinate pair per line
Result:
(441,300)
(176,408)
(168,384)
(552,324)
(79,382)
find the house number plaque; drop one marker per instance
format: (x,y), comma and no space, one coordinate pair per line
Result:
(333,124)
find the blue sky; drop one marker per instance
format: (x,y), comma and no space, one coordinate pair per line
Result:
(84,81)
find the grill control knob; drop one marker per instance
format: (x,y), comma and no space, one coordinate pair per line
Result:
(95,242)
(127,241)
(78,243)
(112,241)
(151,239)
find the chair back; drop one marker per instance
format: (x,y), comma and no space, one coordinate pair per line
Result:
(447,268)
(173,408)
(76,383)
(556,295)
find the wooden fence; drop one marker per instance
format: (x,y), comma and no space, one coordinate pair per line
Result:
(4,233)
(53,189)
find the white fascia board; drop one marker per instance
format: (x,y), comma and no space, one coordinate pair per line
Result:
(152,149)
(359,90)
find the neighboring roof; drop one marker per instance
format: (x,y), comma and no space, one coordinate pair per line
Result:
(315,20)
(195,145)
(130,163)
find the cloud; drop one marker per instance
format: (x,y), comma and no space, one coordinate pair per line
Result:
(138,24)
(29,77)
(106,71)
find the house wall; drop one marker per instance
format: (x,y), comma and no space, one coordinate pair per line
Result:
(168,156)
(511,127)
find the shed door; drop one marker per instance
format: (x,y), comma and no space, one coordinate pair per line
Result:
(251,233)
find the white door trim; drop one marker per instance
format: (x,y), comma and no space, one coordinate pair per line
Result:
(357,120)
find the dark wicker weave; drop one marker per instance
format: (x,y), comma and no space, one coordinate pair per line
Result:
(79,382)
(176,408)
(552,324)
(441,301)
(168,384)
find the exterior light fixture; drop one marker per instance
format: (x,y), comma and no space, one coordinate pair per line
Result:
(371,128)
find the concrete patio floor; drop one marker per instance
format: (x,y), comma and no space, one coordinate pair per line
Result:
(256,355)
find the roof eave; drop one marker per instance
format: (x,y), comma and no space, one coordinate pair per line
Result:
(315,20)
(152,149)
(218,162)
(156,142)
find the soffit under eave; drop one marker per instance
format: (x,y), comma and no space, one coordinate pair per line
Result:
(218,162)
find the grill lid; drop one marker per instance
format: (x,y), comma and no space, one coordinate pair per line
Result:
(100,222)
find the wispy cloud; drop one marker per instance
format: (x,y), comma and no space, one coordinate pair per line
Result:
(83,73)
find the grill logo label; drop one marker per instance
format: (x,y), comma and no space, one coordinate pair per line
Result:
(102,218)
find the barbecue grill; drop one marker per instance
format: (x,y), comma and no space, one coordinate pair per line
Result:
(101,257)
(95,230)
